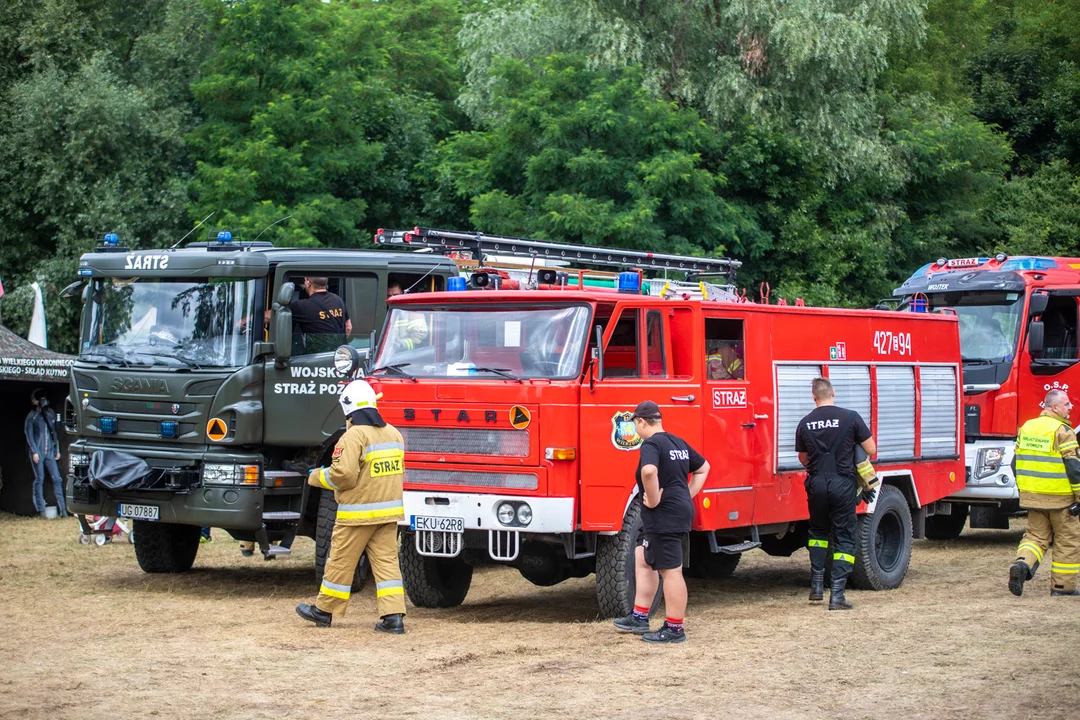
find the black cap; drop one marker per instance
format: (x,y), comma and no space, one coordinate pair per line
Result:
(647,410)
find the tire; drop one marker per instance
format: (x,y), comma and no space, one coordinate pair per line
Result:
(432,582)
(883,543)
(707,565)
(166,547)
(324,530)
(947,527)
(615,578)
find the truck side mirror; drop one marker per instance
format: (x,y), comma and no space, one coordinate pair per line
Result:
(281,323)
(71,290)
(369,360)
(1037,305)
(1036,338)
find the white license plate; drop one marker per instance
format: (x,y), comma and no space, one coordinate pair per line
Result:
(138,512)
(438,524)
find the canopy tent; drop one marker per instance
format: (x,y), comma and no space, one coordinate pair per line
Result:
(24,368)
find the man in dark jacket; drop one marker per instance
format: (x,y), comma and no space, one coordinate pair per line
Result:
(44,450)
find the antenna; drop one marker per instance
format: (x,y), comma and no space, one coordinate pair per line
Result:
(192,230)
(270,226)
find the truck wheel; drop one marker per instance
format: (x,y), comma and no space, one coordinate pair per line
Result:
(324,530)
(706,564)
(432,582)
(947,527)
(883,543)
(165,547)
(615,577)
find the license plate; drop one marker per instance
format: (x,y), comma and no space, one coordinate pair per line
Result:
(138,512)
(438,524)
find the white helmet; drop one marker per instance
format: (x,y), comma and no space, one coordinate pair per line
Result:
(356,395)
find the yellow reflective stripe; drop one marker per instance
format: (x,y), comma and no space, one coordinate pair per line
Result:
(383,455)
(324,480)
(1065,569)
(368,514)
(1035,550)
(817,543)
(1068,445)
(844,557)
(389,587)
(335,590)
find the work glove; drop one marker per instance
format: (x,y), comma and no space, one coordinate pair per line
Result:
(1074,509)
(868,496)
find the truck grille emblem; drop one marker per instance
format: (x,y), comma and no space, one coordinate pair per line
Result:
(175,409)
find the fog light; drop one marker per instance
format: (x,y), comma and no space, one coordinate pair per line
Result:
(524,514)
(107,425)
(505,513)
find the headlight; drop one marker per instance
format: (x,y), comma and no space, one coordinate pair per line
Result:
(346,360)
(988,461)
(505,513)
(524,514)
(77,460)
(214,474)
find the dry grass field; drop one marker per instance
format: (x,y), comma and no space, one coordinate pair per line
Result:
(86,633)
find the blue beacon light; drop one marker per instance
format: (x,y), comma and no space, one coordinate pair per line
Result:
(112,239)
(455,284)
(224,237)
(629,282)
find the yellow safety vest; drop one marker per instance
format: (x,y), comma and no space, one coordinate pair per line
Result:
(1039,467)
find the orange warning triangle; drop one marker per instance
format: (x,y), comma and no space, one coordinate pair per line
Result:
(519,417)
(216,429)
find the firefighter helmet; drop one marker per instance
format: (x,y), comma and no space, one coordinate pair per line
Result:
(356,395)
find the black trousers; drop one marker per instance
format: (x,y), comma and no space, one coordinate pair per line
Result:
(832,501)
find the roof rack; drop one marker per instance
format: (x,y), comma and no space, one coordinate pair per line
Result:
(480,244)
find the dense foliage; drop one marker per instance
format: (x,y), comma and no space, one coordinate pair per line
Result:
(832,145)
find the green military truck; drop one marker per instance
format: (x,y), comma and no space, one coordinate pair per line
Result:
(190,362)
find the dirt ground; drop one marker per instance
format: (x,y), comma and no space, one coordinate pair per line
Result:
(85,632)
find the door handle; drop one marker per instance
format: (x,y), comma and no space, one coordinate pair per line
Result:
(683,398)
(761,417)
(749,425)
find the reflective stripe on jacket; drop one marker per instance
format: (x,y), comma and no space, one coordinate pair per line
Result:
(1039,467)
(366,475)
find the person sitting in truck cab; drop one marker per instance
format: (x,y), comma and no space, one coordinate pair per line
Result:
(409,330)
(724,363)
(321,318)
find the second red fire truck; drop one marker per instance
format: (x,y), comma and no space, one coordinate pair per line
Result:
(515,407)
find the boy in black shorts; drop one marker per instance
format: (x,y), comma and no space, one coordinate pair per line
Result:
(667,513)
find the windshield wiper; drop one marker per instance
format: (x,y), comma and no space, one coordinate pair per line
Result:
(99,351)
(396,370)
(977,361)
(179,358)
(499,371)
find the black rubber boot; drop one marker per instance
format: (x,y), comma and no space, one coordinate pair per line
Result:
(837,601)
(817,584)
(391,624)
(314,614)
(1019,573)
(1061,592)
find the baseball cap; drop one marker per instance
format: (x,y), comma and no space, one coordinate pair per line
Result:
(647,410)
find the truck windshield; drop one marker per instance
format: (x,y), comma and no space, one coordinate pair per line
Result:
(201,322)
(485,341)
(989,323)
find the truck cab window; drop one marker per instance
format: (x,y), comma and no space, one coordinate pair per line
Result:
(725,353)
(621,354)
(654,345)
(1059,322)
(320,318)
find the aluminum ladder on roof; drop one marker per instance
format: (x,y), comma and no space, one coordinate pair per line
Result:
(481,244)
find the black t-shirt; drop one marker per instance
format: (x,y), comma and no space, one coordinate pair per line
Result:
(674,461)
(817,432)
(321,314)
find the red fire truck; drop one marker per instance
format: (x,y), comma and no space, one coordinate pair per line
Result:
(1018,339)
(515,408)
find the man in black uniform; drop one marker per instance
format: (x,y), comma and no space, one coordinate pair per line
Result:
(665,463)
(825,440)
(321,317)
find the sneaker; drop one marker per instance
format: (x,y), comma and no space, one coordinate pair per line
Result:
(632,624)
(1018,575)
(665,635)
(204,539)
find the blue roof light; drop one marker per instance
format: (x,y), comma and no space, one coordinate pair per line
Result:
(455,284)
(224,237)
(629,282)
(112,239)
(1029,263)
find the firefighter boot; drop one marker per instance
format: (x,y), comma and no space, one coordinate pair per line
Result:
(391,624)
(1019,573)
(314,614)
(817,584)
(1059,592)
(837,601)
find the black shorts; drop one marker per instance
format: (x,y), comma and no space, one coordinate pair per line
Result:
(663,551)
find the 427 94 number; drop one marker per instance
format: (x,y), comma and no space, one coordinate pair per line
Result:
(887,342)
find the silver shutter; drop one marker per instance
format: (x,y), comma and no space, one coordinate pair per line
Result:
(895,431)
(794,402)
(852,386)
(938,421)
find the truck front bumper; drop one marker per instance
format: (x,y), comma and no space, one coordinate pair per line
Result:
(998,486)
(227,508)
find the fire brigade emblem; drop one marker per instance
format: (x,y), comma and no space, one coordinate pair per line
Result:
(623,434)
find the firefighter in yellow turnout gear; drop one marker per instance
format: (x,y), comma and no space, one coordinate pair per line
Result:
(366,477)
(1048,477)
